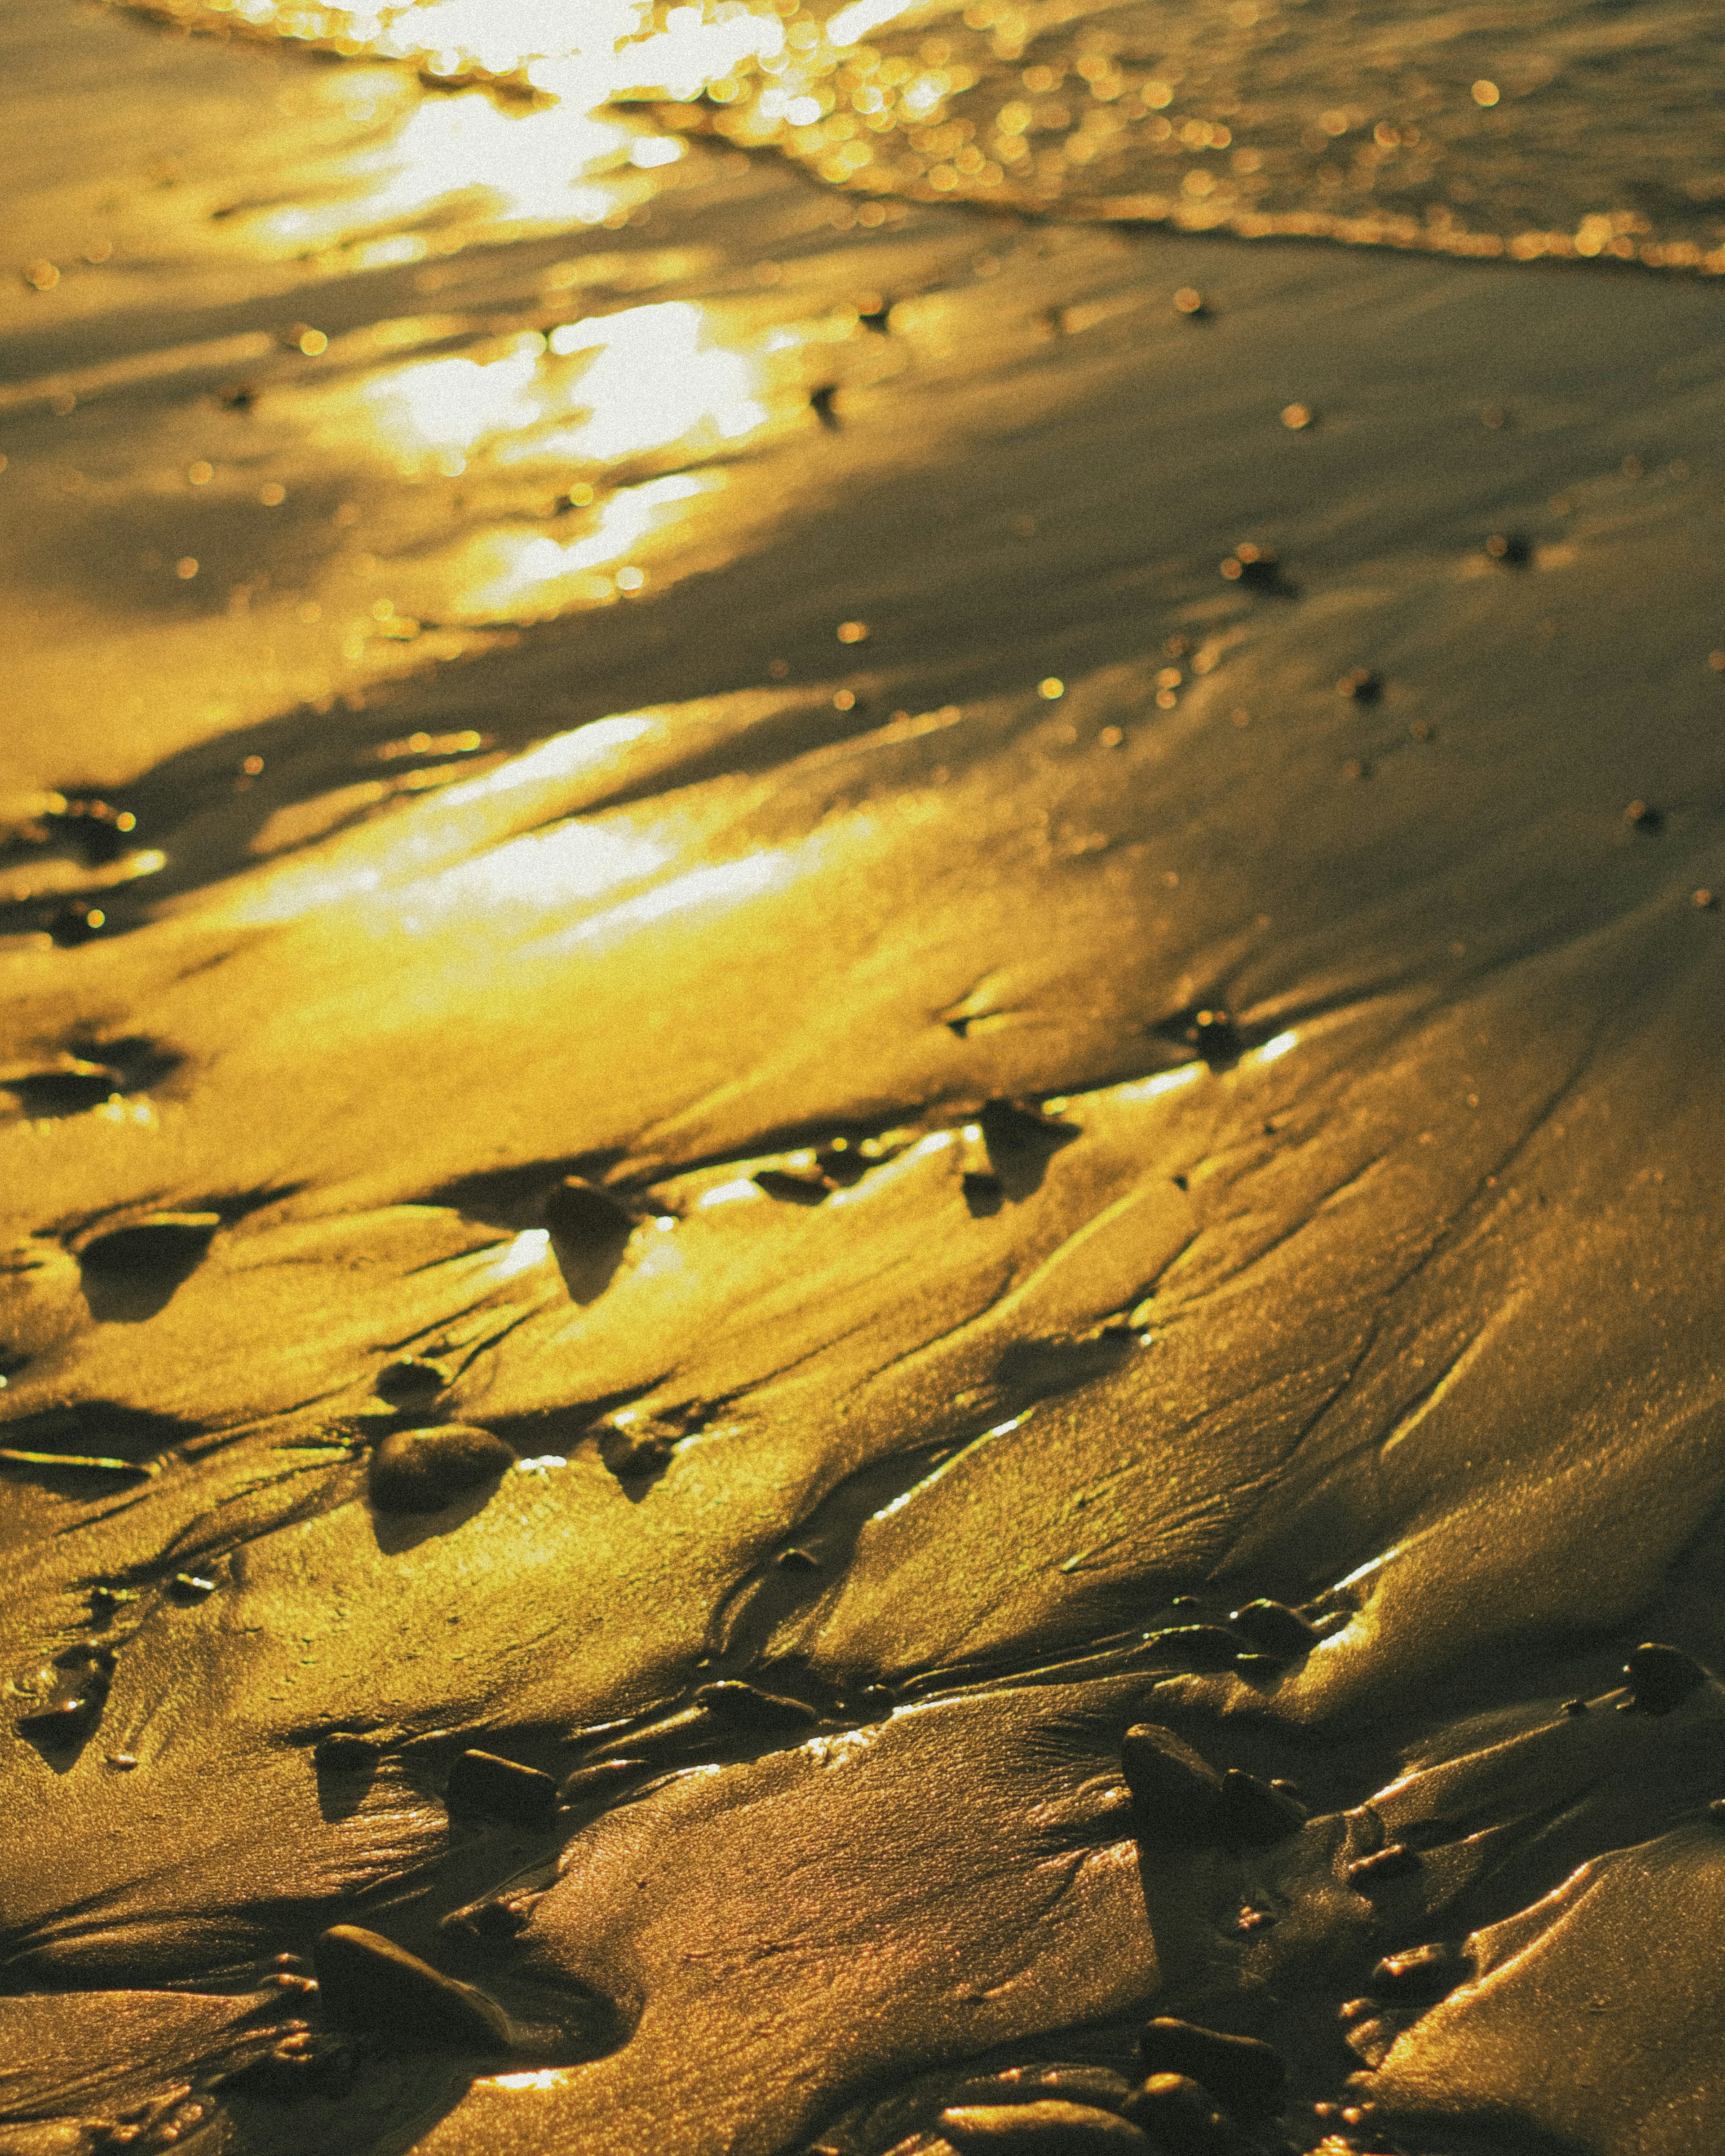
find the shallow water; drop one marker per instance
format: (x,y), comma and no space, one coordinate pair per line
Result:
(1112,903)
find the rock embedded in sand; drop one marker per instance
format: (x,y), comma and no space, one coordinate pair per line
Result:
(343,1752)
(585,1217)
(1177,2115)
(746,1707)
(1273,1628)
(373,1988)
(1662,1677)
(1046,2128)
(1174,1792)
(1240,2071)
(1250,1813)
(424,1470)
(482,1782)
(160,1242)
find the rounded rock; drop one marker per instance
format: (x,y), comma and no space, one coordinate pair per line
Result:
(1240,2071)
(1662,1677)
(424,1470)
(1046,2128)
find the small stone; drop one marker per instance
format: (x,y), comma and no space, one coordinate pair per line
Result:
(1574,1707)
(75,922)
(1510,548)
(1177,2114)
(1716,1811)
(1252,1814)
(595,1783)
(1051,2127)
(190,1587)
(1240,2071)
(1360,686)
(1641,816)
(1704,900)
(1394,1862)
(423,1470)
(1189,301)
(806,1187)
(1098,2087)
(373,1987)
(1661,1677)
(584,1218)
(482,1782)
(343,1752)
(1215,1036)
(1175,1793)
(1422,1975)
(1256,568)
(411,1382)
(797,1560)
(1273,1628)
(1199,1646)
(747,1707)
(68,1714)
(159,1243)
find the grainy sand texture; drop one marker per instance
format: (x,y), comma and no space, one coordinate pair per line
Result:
(861,1135)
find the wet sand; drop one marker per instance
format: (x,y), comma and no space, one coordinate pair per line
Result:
(1007,1006)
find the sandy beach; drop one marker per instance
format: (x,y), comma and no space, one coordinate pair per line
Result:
(809,993)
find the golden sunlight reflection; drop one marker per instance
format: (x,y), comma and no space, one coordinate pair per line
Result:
(514,573)
(532,167)
(611,386)
(654,378)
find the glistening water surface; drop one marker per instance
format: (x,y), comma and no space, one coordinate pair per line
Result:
(860,1149)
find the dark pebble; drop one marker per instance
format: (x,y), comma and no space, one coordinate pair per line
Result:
(1575,1706)
(69,1713)
(1273,1628)
(504,1788)
(797,1560)
(1214,1036)
(68,1092)
(164,1243)
(1179,2115)
(1174,1792)
(423,1470)
(343,1753)
(411,1383)
(1238,2071)
(1098,2086)
(1049,2127)
(1394,1862)
(373,1987)
(584,1218)
(1253,1814)
(1255,567)
(748,1708)
(595,1783)
(101,832)
(1662,1677)
(808,1187)
(1199,1646)
(190,1587)
(71,925)
(1422,1975)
